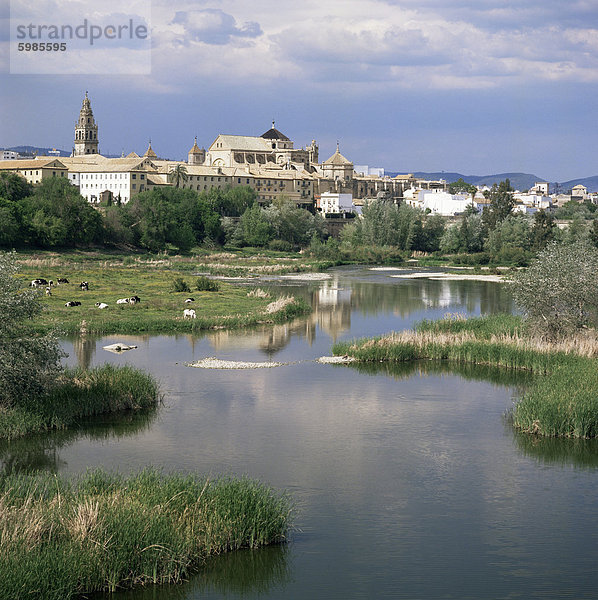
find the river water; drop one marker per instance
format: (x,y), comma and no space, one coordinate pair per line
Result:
(408,481)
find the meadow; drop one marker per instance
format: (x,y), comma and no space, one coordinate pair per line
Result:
(152,278)
(562,399)
(103,532)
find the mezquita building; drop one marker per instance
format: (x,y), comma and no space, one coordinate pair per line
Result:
(269,164)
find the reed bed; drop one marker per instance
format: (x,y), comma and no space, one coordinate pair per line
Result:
(563,402)
(103,532)
(78,395)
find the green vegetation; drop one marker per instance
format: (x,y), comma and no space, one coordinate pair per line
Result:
(558,290)
(77,395)
(157,280)
(562,402)
(104,532)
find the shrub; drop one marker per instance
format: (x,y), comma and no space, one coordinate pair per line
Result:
(179,285)
(558,290)
(205,284)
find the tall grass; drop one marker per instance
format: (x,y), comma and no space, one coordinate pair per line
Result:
(78,395)
(103,532)
(561,401)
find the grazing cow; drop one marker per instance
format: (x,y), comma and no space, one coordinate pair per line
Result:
(48,291)
(38,282)
(73,303)
(101,305)
(188,313)
(122,301)
(190,300)
(84,286)
(61,280)
(134,299)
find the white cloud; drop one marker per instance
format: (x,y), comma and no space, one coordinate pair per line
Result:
(359,43)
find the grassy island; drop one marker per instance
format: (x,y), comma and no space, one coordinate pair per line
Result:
(78,395)
(104,532)
(561,402)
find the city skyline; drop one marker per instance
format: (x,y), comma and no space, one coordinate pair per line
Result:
(475,88)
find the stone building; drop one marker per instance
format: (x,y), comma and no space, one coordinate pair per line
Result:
(86,131)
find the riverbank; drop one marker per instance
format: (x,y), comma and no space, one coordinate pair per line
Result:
(104,532)
(78,395)
(562,401)
(154,279)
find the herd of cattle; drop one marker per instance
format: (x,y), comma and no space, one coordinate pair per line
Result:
(84,285)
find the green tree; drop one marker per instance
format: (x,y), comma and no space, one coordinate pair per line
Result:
(177,174)
(461,186)
(593,233)
(58,216)
(14,187)
(512,232)
(255,226)
(501,205)
(543,230)
(558,290)
(29,364)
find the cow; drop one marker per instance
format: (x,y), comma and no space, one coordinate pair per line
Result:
(73,303)
(48,291)
(61,280)
(122,301)
(189,300)
(134,299)
(189,313)
(84,286)
(101,305)
(39,282)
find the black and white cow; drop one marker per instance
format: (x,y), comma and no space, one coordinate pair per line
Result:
(84,286)
(72,303)
(39,282)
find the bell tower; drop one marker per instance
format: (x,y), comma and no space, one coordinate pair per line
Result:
(86,131)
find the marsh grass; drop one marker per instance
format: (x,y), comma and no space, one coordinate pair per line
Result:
(78,395)
(562,399)
(103,532)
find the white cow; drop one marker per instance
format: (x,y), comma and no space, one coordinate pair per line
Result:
(101,305)
(122,301)
(189,313)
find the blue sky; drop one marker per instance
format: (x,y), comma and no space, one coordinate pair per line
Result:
(478,87)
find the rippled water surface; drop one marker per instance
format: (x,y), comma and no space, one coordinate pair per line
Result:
(409,482)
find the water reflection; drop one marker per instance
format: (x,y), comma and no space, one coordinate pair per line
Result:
(241,573)
(42,452)
(403,370)
(561,451)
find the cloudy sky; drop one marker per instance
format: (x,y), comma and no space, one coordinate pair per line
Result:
(475,86)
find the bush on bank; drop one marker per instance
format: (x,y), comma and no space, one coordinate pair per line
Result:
(104,532)
(78,395)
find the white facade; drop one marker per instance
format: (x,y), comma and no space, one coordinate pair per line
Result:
(9,155)
(336,203)
(534,200)
(443,203)
(91,185)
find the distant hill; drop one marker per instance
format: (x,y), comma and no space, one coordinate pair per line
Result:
(590,182)
(25,150)
(519,181)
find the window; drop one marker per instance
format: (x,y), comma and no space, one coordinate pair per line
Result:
(142,176)
(133,176)
(134,186)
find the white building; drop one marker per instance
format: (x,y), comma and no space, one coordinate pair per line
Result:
(331,202)
(438,202)
(9,155)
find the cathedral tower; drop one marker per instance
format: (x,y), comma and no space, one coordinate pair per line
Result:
(86,131)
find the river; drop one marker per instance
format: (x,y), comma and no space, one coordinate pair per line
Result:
(408,481)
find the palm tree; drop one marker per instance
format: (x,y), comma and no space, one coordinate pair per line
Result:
(178,174)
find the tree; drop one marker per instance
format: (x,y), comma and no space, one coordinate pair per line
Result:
(178,174)
(558,290)
(461,186)
(28,364)
(501,205)
(255,227)
(14,187)
(543,230)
